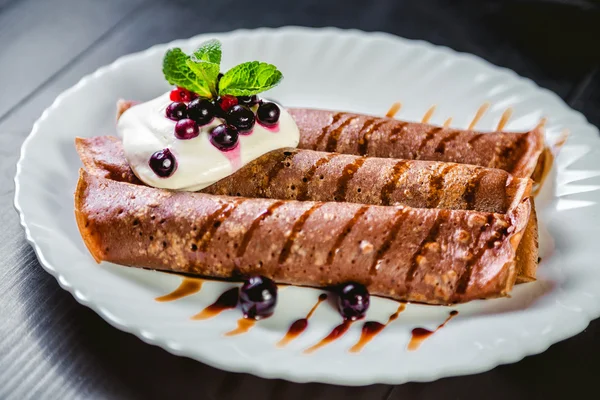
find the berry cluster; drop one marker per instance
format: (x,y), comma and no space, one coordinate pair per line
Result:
(236,112)
(191,112)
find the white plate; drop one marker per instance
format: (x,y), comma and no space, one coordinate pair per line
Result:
(345,70)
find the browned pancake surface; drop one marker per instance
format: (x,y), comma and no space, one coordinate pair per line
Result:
(429,255)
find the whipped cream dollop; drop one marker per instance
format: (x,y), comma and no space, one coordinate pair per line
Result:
(145,129)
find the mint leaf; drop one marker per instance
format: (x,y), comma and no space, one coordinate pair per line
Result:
(209,51)
(207,71)
(249,78)
(177,72)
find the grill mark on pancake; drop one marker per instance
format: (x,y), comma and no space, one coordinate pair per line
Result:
(303,191)
(336,117)
(386,191)
(471,189)
(334,135)
(431,237)
(255,223)
(429,135)
(508,152)
(347,175)
(475,138)
(345,232)
(365,135)
(465,277)
(441,147)
(436,184)
(296,228)
(385,246)
(218,221)
(275,170)
(396,131)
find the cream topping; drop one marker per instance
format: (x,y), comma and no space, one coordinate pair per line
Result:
(145,129)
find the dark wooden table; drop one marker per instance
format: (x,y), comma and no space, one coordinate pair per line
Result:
(52,347)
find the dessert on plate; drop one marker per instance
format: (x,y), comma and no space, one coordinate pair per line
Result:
(211,180)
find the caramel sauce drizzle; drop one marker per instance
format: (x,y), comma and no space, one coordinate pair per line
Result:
(218,221)
(209,221)
(471,189)
(399,126)
(420,334)
(371,329)
(482,110)
(227,300)
(296,228)
(334,135)
(428,114)
(431,237)
(301,324)
(243,325)
(436,184)
(504,118)
(394,110)
(303,191)
(542,123)
(366,128)
(465,277)
(345,232)
(429,135)
(394,230)
(475,138)
(441,147)
(275,170)
(347,175)
(187,287)
(560,142)
(447,122)
(336,117)
(254,226)
(336,333)
(506,155)
(365,135)
(390,186)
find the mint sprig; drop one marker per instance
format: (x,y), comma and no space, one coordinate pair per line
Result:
(199,73)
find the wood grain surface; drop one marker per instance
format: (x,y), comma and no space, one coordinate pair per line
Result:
(53,348)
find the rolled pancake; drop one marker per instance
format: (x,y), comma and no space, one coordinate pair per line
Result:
(348,133)
(434,256)
(293,174)
(290,174)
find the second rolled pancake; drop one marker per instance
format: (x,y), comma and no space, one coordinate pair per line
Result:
(295,174)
